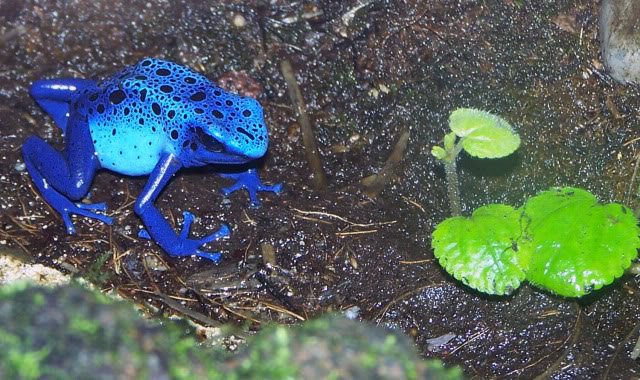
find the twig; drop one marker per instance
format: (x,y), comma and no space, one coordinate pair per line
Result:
(631,141)
(282,310)
(627,197)
(186,311)
(372,188)
(37,195)
(473,337)
(320,213)
(620,347)
(398,299)
(418,205)
(319,180)
(576,334)
(355,233)
(415,261)
(313,219)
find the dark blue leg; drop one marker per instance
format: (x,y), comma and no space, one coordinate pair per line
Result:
(156,225)
(60,178)
(54,96)
(251,181)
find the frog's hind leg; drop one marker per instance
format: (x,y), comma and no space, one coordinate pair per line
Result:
(62,178)
(54,96)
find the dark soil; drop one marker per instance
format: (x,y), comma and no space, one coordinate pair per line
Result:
(535,63)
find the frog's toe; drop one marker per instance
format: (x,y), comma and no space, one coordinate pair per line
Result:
(71,229)
(213,256)
(186,226)
(92,206)
(251,181)
(83,210)
(143,234)
(273,188)
(89,214)
(181,246)
(226,191)
(222,232)
(253,193)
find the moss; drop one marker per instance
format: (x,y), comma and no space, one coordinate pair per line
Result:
(332,347)
(70,332)
(95,273)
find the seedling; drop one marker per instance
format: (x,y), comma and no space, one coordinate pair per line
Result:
(561,240)
(480,134)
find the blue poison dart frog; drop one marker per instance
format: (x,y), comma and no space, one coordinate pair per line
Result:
(149,119)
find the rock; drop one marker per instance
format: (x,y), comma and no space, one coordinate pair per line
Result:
(620,39)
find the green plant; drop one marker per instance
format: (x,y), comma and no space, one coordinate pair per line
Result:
(480,134)
(562,240)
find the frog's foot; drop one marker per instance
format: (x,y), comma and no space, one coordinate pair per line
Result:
(81,209)
(188,247)
(65,208)
(249,180)
(38,155)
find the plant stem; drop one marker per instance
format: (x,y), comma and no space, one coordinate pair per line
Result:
(450,169)
(452,184)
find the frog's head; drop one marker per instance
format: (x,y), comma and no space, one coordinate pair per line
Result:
(229,129)
(204,123)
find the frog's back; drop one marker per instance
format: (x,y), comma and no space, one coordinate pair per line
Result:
(145,110)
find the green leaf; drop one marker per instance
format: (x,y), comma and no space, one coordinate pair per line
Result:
(483,135)
(438,152)
(479,251)
(449,141)
(577,244)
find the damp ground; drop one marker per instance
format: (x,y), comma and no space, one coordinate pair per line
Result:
(369,71)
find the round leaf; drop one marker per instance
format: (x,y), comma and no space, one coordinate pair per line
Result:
(479,251)
(577,244)
(483,135)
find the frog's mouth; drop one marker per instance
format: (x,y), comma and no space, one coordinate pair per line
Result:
(203,157)
(206,149)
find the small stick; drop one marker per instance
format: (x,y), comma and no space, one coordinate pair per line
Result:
(319,181)
(372,189)
(627,198)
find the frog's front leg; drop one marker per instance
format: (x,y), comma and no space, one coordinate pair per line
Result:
(157,226)
(61,178)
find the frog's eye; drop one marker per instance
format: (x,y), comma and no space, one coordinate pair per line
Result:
(208,141)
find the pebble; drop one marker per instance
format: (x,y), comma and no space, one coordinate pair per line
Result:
(619,40)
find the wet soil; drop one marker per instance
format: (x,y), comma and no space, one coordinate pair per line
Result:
(368,71)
